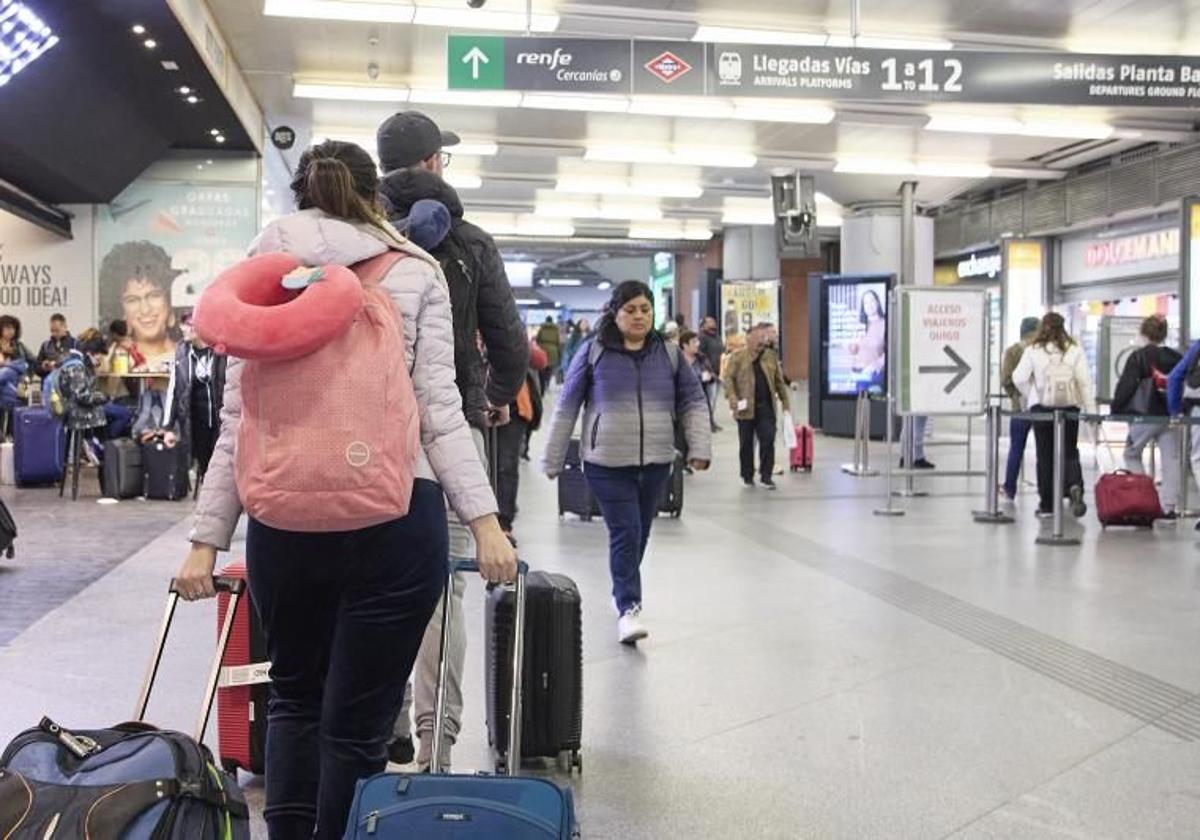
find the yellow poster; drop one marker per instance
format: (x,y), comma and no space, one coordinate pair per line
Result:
(745,304)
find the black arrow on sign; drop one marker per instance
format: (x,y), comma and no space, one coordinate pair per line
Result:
(960,369)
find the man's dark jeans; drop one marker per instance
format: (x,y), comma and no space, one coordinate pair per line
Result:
(762,427)
(1018,436)
(510,442)
(628,498)
(344,614)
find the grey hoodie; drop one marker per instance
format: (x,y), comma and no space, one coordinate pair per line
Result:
(419,293)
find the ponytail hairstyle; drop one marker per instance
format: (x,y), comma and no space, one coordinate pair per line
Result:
(1053,331)
(341,179)
(607,332)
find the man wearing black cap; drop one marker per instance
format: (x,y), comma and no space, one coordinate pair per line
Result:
(411,152)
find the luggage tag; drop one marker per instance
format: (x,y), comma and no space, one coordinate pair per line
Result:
(302,277)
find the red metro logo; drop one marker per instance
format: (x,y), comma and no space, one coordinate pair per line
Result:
(669,67)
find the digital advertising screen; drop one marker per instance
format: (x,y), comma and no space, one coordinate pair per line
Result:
(856,335)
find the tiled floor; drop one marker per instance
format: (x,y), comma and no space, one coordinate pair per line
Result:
(813,671)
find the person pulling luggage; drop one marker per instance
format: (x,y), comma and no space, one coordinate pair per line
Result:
(345,570)
(631,384)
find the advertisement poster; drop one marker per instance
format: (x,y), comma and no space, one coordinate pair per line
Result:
(42,274)
(856,319)
(157,246)
(745,304)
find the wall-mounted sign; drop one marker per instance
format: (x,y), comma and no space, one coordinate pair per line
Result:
(578,65)
(283,137)
(1116,256)
(977,266)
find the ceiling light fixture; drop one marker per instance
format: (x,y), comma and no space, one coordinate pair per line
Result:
(138,29)
(484,19)
(485,99)
(381,12)
(734,35)
(564,281)
(528,302)
(336,10)
(470,149)
(616,185)
(725,158)
(220,138)
(351,93)
(671,106)
(604,285)
(555,208)
(692,230)
(463,180)
(789,112)
(214,131)
(150,43)
(968,124)
(185,90)
(192,100)
(24,37)
(170,65)
(563,102)
(929,169)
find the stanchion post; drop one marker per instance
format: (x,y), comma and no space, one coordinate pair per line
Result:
(1057,537)
(866,436)
(890,509)
(992,513)
(1185,468)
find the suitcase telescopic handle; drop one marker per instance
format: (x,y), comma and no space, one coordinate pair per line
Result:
(512,760)
(235,588)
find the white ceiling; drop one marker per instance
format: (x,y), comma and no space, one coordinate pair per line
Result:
(274,52)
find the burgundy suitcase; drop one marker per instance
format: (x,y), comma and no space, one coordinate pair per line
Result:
(244,690)
(1125,498)
(802,452)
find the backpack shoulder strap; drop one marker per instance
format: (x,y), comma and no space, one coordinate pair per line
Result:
(372,271)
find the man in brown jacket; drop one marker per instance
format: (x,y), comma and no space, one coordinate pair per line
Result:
(753,381)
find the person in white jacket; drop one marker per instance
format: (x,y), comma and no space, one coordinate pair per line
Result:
(344,612)
(1053,374)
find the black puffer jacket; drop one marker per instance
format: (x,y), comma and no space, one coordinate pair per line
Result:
(1138,368)
(499,322)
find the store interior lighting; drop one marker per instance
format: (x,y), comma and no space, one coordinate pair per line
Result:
(420,15)
(24,38)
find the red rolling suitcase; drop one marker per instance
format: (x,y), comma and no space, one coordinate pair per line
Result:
(244,690)
(802,452)
(1125,498)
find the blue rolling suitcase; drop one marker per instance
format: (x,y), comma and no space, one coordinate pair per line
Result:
(432,806)
(39,446)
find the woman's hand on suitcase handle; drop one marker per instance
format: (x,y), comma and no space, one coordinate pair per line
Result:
(195,579)
(698,465)
(495,554)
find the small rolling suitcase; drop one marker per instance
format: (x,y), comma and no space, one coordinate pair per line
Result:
(574,495)
(671,502)
(128,781)
(122,472)
(1125,498)
(433,806)
(552,711)
(39,447)
(165,472)
(801,454)
(244,685)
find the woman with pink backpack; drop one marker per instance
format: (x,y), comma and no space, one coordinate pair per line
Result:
(342,403)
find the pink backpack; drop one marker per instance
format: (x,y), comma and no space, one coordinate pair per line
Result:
(329,440)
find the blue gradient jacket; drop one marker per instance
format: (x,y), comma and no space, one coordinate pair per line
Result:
(630,404)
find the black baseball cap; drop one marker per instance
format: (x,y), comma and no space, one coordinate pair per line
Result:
(410,137)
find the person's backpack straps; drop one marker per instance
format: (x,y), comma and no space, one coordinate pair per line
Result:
(372,271)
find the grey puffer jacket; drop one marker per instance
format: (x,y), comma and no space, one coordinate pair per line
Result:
(633,401)
(419,293)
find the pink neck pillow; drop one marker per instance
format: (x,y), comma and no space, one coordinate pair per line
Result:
(247,313)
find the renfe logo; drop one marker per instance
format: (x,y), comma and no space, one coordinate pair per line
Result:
(669,67)
(554,60)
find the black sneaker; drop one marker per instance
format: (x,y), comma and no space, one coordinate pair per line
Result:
(769,483)
(748,483)
(922,464)
(401,751)
(1078,508)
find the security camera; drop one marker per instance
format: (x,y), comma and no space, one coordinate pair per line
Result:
(372,71)
(476,4)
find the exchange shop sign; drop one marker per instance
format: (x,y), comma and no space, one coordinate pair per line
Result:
(943,350)
(580,65)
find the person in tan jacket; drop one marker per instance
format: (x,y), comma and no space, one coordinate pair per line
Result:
(753,380)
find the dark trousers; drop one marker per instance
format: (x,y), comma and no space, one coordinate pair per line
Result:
(510,443)
(628,498)
(204,441)
(1043,436)
(545,376)
(1018,437)
(343,614)
(762,427)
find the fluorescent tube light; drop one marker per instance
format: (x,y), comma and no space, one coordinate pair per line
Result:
(338,10)
(566,102)
(499,21)
(610,185)
(680,155)
(1072,130)
(967,124)
(564,281)
(790,112)
(463,180)
(671,106)
(1075,129)
(734,35)
(929,169)
(351,93)
(604,209)
(950,169)
(697,231)
(543,227)
(528,302)
(486,99)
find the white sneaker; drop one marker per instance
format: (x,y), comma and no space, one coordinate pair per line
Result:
(630,629)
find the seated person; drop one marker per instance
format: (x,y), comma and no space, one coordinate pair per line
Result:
(151,421)
(15,362)
(83,401)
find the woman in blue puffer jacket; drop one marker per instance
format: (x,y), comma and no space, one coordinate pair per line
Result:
(632,389)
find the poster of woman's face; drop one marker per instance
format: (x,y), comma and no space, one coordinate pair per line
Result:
(135,286)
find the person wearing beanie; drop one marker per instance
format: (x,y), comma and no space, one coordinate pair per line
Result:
(413,157)
(1018,429)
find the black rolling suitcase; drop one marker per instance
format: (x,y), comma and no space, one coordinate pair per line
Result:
(122,476)
(165,472)
(552,714)
(574,495)
(671,502)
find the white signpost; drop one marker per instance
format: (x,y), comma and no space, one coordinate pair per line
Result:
(943,351)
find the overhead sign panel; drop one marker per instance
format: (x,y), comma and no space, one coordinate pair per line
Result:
(583,65)
(943,351)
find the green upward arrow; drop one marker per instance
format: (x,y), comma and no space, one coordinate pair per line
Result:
(475,62)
